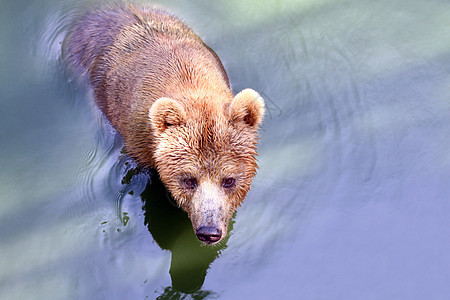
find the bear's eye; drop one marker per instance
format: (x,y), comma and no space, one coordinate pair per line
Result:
(228,182)
(190,183)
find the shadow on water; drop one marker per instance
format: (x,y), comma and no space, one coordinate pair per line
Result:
(172,230)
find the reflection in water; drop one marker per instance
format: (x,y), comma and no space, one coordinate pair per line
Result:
(172,294)
(172,230)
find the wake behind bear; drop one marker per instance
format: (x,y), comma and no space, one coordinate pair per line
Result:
(168,95)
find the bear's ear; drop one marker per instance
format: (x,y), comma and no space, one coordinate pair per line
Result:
(166,112)
(248,107)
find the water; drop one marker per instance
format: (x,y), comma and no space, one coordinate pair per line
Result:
(352,197)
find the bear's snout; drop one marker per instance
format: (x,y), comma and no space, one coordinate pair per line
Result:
(209,235)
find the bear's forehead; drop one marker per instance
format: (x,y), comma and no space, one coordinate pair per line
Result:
(218,141)
(211,134)
(208,147)
(208,140)
(207,108)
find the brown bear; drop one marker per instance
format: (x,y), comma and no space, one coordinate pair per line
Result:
(168,95)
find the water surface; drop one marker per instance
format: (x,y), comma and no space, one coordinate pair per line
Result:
(352,197)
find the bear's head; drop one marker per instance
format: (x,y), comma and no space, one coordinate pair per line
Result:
(205,153)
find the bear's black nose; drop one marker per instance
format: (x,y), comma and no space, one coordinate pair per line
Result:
(209,235)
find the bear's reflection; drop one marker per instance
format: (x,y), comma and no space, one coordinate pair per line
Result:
(172,230)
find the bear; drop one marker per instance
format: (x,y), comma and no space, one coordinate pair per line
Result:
(168,95)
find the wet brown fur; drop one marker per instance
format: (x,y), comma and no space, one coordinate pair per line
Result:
(133,57)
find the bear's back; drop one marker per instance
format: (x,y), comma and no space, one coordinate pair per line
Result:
(134,56)
(97,30)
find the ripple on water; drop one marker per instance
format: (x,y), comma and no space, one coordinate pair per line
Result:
(320,146)
(102,165)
